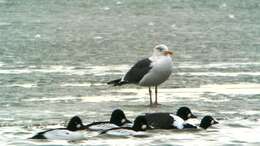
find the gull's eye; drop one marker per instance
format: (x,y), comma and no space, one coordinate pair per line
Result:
(160,49)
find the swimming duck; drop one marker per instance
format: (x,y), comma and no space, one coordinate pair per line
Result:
(165,120)
(68,133)
(117,119)
(140,125)
(178,123)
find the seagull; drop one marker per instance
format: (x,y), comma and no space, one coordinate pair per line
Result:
(149,72)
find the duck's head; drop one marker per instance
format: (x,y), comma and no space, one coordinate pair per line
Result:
(75,124)
(185,113)
(140,124)
(207,121)
(118,118)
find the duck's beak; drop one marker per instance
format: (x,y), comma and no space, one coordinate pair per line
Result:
(83,128)
(192,116)
(168,53)
(127,121)
(215,122)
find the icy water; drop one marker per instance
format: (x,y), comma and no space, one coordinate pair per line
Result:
(56,57)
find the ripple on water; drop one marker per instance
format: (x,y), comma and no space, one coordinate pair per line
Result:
(76,85)
(222,65)
(69,70)
(224,74)
(28,85)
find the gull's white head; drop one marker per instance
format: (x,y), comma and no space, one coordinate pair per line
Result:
(161,50)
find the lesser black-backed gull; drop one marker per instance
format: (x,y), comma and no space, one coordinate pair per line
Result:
(150,71)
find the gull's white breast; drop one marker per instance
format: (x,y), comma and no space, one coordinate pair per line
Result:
(160,72)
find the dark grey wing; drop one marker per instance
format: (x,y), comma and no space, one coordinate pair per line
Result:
(160,120)
(137,72)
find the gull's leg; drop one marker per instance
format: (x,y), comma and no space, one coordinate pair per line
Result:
(156,91)
(150,94)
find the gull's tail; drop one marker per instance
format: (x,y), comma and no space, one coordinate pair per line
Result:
(117,82)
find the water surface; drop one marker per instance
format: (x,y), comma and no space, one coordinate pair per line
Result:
(56,57)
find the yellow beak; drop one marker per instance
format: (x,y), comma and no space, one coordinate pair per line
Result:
(168,53)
